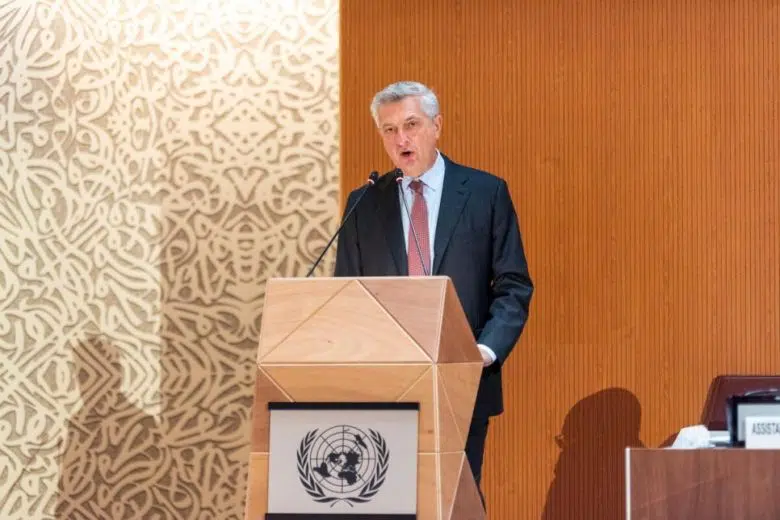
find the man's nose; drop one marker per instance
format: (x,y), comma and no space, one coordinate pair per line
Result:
(401,139)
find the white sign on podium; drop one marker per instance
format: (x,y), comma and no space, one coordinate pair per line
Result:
(356,461)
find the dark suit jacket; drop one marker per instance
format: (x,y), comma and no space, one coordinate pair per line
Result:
(477,244)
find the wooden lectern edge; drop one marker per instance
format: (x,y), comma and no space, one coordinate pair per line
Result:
(361,363)
(350,278)
(304,364)
(440,317)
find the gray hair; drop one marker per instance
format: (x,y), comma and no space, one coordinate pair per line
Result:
(401,90)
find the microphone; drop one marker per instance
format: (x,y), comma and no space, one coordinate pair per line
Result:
(370,182)
(399,176)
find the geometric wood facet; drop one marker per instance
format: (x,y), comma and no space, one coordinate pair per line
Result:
(450,465)
(459,382)
(451,438)
(406,309)
(467,502)
(257,487)
(422,391)
(293,302)
(389,339)
(347,383)
(456,334)
(351,327)
(428,487)
(447,490)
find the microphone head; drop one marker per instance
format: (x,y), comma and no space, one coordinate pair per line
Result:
(373,177)
(398,174)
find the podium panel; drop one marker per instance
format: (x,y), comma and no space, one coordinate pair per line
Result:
(326,458)
(350,345)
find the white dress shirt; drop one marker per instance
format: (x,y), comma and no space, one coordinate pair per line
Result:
(433,184)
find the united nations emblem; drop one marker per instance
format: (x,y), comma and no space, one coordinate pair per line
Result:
(343,463)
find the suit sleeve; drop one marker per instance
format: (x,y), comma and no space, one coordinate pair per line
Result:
(512,285)
(348,248)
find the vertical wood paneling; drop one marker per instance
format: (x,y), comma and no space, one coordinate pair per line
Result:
(640,141)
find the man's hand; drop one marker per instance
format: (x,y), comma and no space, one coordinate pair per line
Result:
(488,356)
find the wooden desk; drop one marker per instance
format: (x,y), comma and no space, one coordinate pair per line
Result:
(711,484)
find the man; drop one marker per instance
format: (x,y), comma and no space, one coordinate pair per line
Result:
(465,227)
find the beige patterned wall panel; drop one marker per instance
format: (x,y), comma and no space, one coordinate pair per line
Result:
(158,162)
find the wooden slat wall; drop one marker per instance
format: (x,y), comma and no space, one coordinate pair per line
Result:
(641,141)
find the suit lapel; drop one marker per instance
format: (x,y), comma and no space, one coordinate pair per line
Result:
(389,213)
(453,199)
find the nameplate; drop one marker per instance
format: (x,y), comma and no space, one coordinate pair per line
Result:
(763,404)
(762,432)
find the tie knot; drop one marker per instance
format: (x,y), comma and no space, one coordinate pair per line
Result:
(416,186)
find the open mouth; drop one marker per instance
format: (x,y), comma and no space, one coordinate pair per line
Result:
(406,154)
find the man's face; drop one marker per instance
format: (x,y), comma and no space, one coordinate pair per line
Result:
(409,135)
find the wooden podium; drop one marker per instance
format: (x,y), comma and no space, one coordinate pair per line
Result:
(716,484)
(352,340)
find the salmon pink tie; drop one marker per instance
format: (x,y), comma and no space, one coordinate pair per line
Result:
(420,220)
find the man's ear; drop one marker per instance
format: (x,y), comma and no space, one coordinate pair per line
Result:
(437,123)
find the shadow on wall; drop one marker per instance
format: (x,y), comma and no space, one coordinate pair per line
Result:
(589,474)
(112,449)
